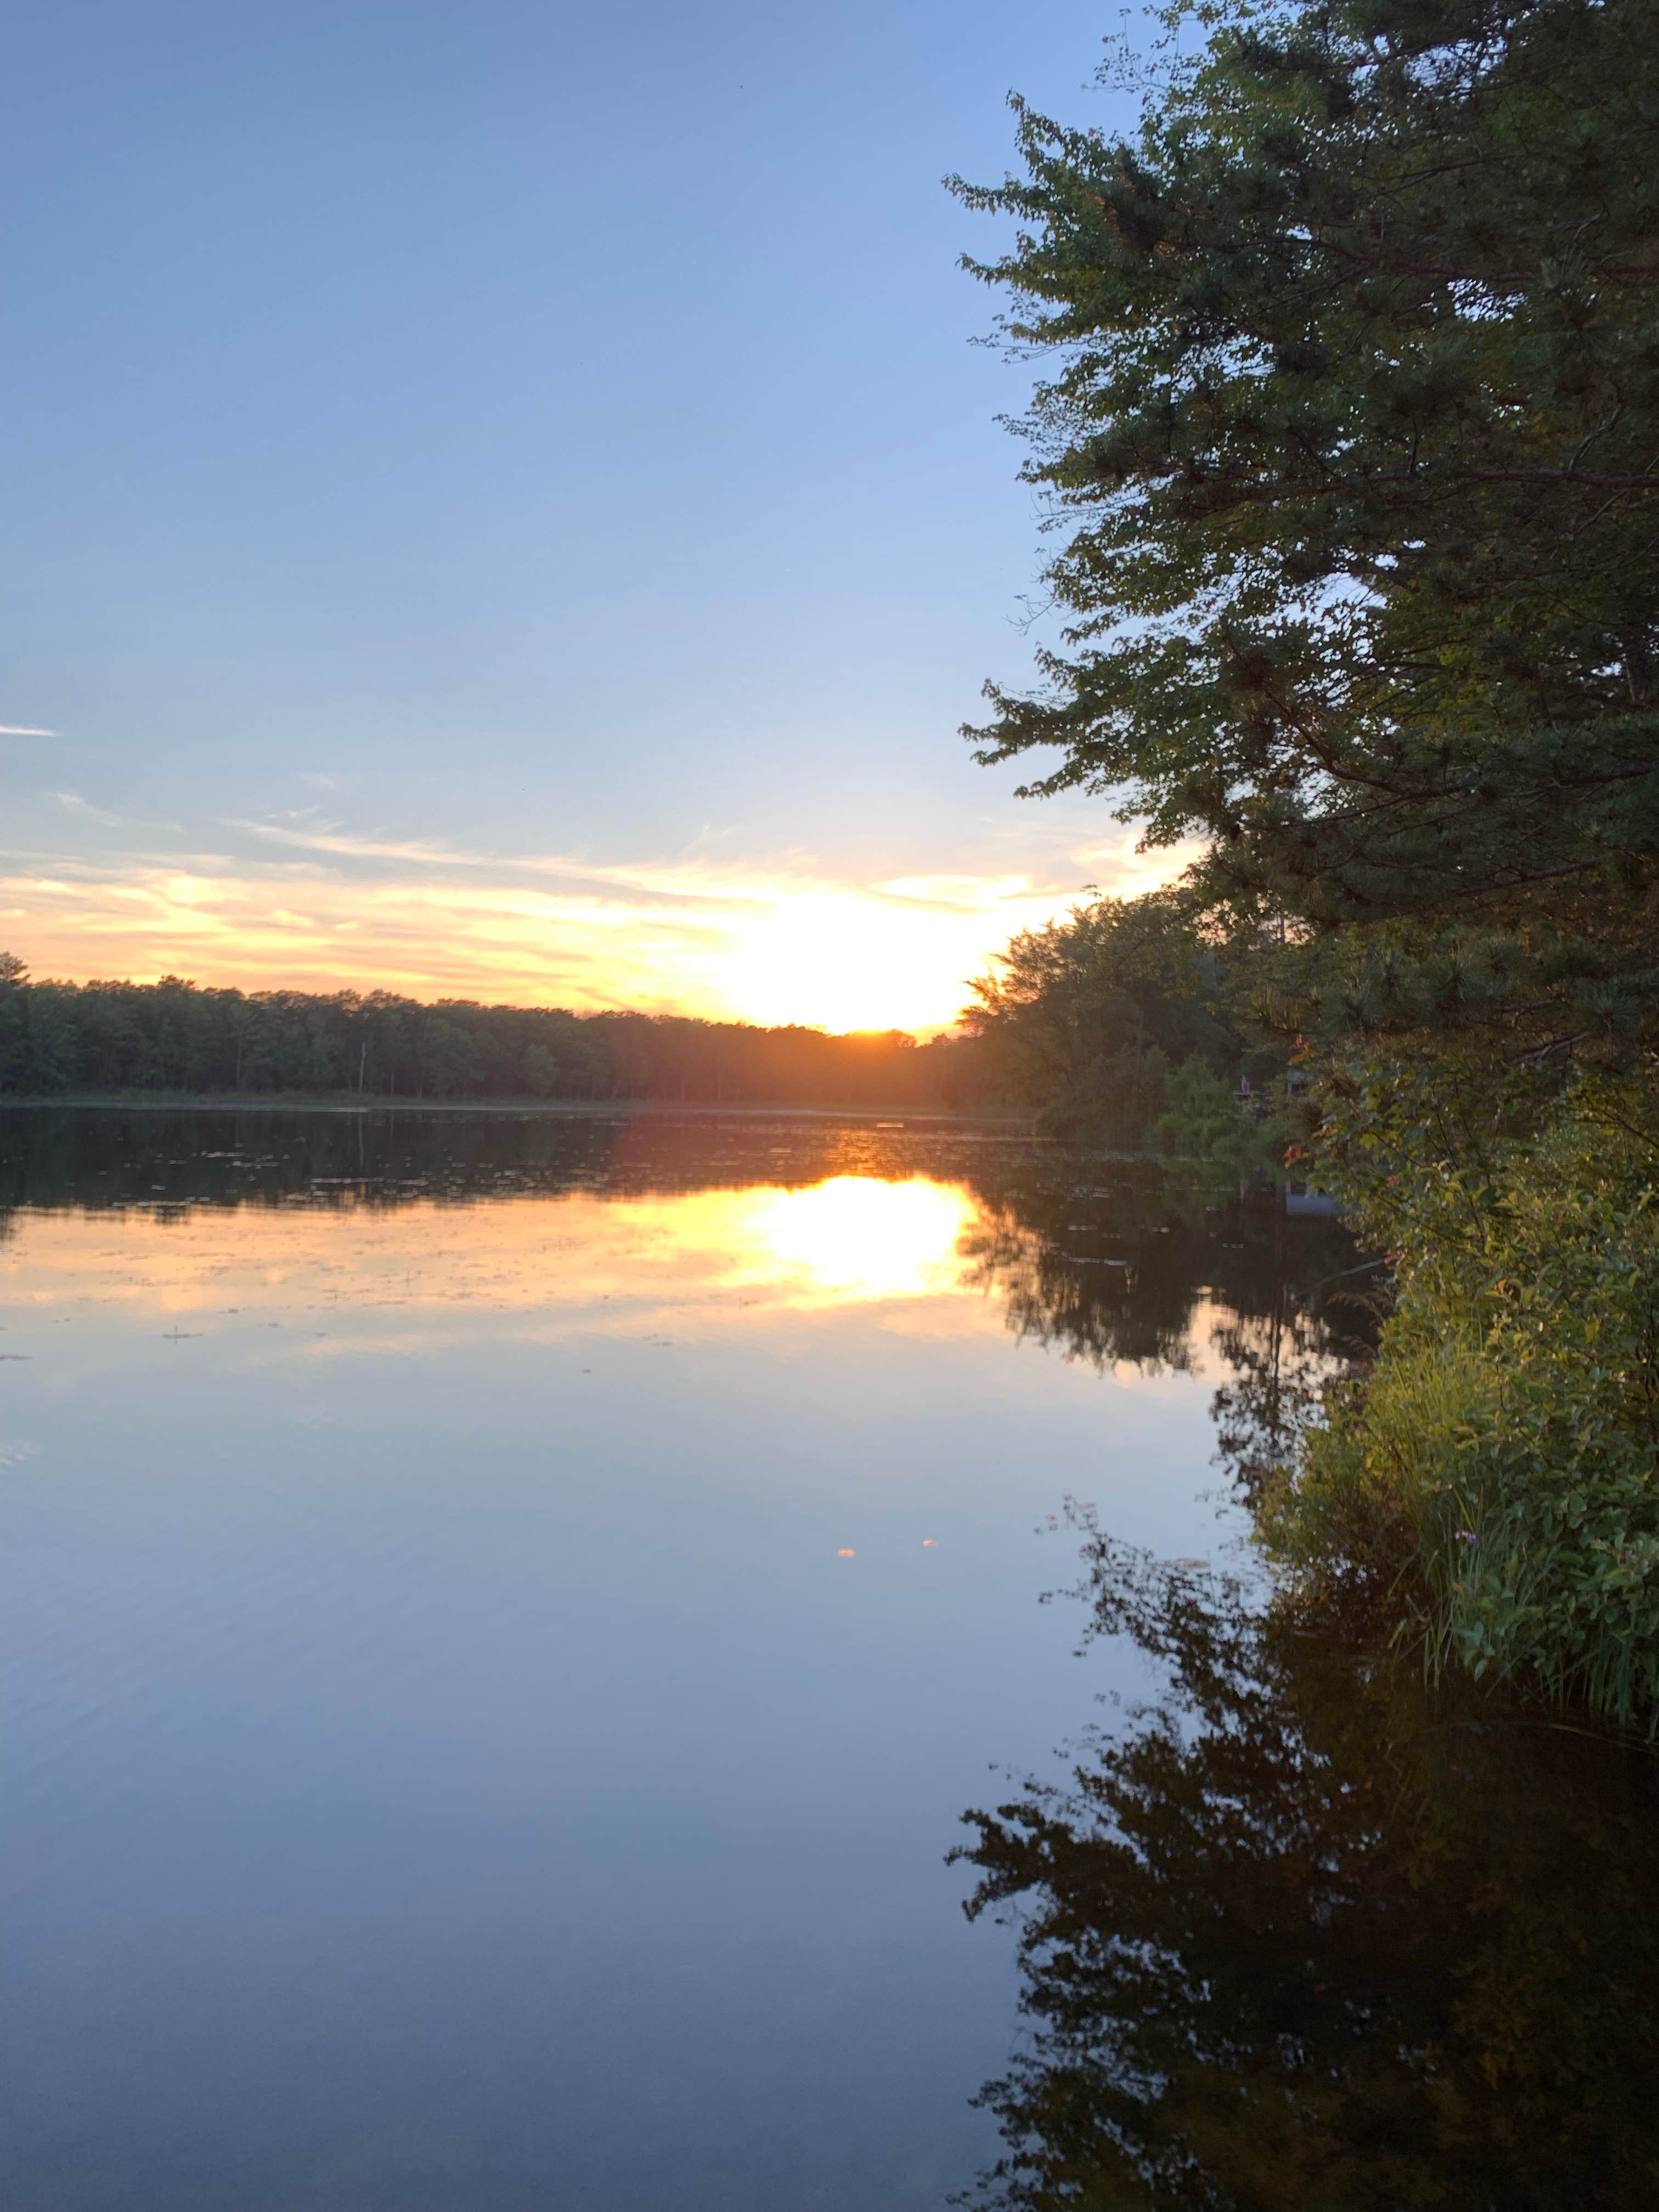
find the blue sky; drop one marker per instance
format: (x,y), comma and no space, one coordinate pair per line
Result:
(502,499)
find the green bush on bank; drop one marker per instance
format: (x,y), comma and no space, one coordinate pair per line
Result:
(1205,1118)
(1137,1103)
(1500,1459)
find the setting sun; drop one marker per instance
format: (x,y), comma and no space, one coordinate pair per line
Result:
(842,963)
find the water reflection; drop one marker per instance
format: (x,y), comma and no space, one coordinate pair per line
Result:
(1301,1935)
(499,1617)
(154,1160)
(666,1256)
(854,1236)
(694,1535)
(1138,1274)
(1156,1276)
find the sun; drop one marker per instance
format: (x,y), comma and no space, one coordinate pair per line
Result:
(838,961)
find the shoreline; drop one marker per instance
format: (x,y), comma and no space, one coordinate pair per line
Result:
(351,1102)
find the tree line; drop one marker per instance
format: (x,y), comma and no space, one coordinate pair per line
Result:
(60,1039)
(1118,1025)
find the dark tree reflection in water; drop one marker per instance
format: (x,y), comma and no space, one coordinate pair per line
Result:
(1146,1271)
(1301,1938)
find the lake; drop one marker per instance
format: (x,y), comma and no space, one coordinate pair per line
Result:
(504,1616)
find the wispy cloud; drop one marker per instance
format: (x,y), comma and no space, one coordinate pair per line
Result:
(327,838)
(24,730)
(75,804)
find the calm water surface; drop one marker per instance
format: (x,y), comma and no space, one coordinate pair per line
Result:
(503,1619)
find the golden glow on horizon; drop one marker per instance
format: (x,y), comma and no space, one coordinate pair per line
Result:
(726,943)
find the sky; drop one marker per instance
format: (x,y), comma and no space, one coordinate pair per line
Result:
(502,502)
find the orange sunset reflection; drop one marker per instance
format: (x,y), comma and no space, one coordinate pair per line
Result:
(580,1258)
(855,1238)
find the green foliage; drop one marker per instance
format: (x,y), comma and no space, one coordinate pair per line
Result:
(1349,424)
(1123,1025)
(1504,1451)
(1204,1119)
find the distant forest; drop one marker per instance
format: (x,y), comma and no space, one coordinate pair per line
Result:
(60,1039)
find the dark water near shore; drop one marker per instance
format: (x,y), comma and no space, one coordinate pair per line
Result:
(503,1619)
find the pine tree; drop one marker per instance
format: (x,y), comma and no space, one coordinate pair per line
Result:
(1350,419)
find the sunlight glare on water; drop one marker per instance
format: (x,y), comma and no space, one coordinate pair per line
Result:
(849,1240)
(854,1237)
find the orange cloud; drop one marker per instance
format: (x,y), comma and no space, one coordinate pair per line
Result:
(763,944)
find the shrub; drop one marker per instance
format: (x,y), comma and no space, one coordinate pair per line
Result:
(1500,1460)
